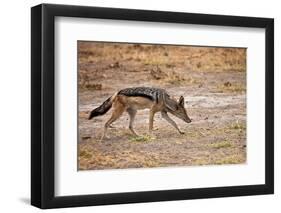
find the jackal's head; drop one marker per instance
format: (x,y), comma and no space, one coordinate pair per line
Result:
(177,109)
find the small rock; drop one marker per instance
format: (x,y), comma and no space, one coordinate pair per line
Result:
(227,84)
(86,137)
(115,65)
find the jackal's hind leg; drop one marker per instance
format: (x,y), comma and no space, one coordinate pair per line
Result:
(117,112)
(132,113)
(173,123)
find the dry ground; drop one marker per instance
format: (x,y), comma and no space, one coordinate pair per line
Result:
(212,80)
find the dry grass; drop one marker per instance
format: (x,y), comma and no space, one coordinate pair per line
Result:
(221,160)
(208,59)
(231,87)
(238,126)
(172,77)
(142,138)
(220,144)
(166,58)
(89,157)
(233,159)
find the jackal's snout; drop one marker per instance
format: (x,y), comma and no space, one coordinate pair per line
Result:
(91,115)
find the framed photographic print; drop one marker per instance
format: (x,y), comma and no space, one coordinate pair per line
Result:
(139,106)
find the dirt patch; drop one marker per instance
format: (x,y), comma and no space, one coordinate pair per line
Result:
(212,80)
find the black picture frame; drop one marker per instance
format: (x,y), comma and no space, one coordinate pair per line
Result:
(43,102)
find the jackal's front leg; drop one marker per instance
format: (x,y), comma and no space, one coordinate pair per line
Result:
(173,123)
(151,119)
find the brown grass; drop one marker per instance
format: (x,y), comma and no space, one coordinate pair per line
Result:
(231,87)
(211,59)
(168,60)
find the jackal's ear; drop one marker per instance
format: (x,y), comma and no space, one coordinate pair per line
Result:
(181,101)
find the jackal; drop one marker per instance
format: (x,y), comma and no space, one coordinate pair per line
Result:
(137,98)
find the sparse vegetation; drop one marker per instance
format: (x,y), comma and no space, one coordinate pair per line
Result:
(238,125)
(217,134)
(141,138)
(220,144)
(233,159)
(172,77)
(231,87)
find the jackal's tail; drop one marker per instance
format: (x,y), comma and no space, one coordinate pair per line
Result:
(102,109)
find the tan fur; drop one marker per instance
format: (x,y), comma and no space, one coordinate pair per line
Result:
(136,103)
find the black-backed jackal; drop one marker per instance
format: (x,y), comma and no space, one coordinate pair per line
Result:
(137,98)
